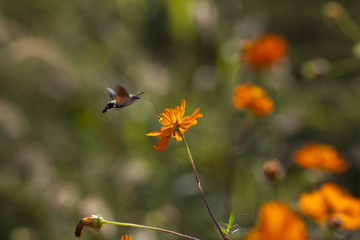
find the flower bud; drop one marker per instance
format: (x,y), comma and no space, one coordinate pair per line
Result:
(273,171)
(92,221)
(315,68)
(333,11)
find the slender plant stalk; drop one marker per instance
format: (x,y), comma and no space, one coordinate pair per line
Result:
(199,186)
(349,27)
(343,67)
(329,234)
(149,228)
(283,193)
(238,147)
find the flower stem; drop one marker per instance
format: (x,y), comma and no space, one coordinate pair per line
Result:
(343,67)
(237,149)
(329,234)
(150,228)
(199,186)
(349,27)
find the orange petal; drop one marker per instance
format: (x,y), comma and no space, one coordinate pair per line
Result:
(336,205)
(126,237)
(314,205)
(262,106)
(167,117)
(163,132)
(162,144)
(154,134)
(193,116)
(264,51)
(348,213)
(320,156)
(180,110)
(278,221)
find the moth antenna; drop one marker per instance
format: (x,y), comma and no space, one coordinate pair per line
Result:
(140,92)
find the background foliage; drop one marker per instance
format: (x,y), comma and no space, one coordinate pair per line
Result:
(61,159)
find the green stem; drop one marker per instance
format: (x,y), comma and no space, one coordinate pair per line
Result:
(329,233)
(343,67)
(282,192)
(199,186)
(149,228)
(238,147)
(349,27)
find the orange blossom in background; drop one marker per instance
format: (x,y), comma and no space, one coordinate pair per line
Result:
(277,221)
(252,97)
(264,51)
(320,156)
(333,204)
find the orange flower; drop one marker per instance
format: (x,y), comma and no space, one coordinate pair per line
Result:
(331,203)
(278,221)
(264,51)
(173,121)
(253,98)
(320,156)
(126,237)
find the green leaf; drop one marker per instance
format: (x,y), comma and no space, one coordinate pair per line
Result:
(223,230)
(231,218)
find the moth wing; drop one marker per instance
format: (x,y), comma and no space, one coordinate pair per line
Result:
(111,93)
(120,93)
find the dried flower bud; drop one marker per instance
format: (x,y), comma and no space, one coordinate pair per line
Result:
(79,228)
(333,11)
(273,171)
(315,68)
(92,221)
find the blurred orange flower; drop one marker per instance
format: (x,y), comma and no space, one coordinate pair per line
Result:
(320,156)
(173,121)
(264,51)
(253,98)
(126,237)
(277,221)
(333,204)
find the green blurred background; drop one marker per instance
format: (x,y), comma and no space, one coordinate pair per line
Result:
(62,159)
